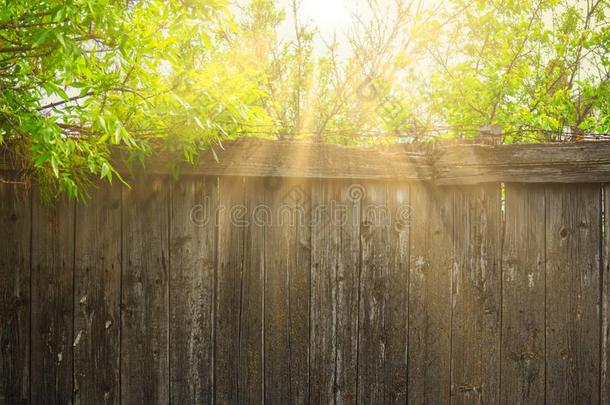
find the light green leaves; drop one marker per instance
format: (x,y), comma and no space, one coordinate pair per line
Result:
(41,37)
(85,81)
(101,78)
(536,67)
(55,166)
(105,171)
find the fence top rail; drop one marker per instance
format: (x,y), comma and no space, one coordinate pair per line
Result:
(445,164)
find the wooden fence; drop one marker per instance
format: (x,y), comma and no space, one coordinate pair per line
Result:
(297,273)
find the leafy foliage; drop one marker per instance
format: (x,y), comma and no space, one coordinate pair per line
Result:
(535,67)
(86,79)
(82,77)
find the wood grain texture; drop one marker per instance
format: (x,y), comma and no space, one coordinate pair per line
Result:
(135,298)
(262,158)
(145,293)
(15,223)
(52,301)
(287,292)
(335,266)
(396,314)
(193,267)
(232,221)
(573,301)
(523,296)
(431,262)
(446,163)
(382,362)
(532,163)
(605,304)
(299,285)
(251,380)
(476,290)
(97,296)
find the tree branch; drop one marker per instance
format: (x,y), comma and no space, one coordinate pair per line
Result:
(58,103)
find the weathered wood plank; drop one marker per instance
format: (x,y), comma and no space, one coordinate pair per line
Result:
(145,296)
(523,296)
(52,305)
(15,223)
(335,265)
(396,315)
(262,158)
(287,292)
(605,304)
(383,294)
(573,301)
(475,325)
(300,295)
(193,264)
(374,243)
(431,262)
(232,217)
(447,164)
(97,295)
(252,307)
(532,163)
(323,325)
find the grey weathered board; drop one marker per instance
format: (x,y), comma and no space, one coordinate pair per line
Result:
(251,381)
(522,345)
(145,293)
(317,290)
(573,288)
(15,223)
(231,219)
(287,248)
(605,304)
(192,255)
(97,297)
(52,289)
(445,163)
(335,266)
(475,323)
(382,338)
(430,269)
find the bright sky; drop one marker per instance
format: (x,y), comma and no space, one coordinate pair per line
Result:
(329,16)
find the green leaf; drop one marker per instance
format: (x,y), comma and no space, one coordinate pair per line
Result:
(106,172)
(55,166)
(62,93)
(84,91)
(53,87)
(118,131)
(60,38)
(41,159)
(41,37)
(214,154)
(102,122)
(199,124)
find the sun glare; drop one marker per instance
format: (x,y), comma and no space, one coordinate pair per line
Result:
(328,15)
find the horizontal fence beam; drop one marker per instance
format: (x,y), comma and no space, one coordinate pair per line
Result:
(445,164)
(256,157)
(536,163)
